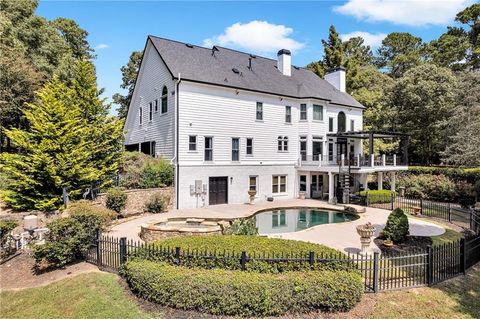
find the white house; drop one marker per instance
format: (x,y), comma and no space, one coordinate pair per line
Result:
(231,122)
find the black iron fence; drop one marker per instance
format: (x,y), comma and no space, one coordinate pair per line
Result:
(389,271)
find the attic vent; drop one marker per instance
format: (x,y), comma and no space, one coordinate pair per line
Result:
(235,71)
(214,49)
(189,45)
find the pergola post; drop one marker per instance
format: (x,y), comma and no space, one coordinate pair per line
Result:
(370,144)
(380,180)
(392,181)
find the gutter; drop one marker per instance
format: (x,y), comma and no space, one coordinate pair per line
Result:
(177,166)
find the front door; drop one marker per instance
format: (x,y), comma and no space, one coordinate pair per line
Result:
(218,190)
(341,148)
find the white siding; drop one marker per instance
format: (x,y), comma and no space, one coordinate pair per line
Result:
(153,76)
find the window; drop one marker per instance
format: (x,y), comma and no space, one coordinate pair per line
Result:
(156,105)
(235,149)
(140,115)
(252,183)
(249,146)
(352,125)
(330,151)
(208,149)
(164,100)
(150,111)
(288,114)
(303,112)
(318,112)
(279,184)
(192,143)
(330,124)
(342,122)
(283,143)
(303,183)
(317,146)
(259,115)
(303,147)
(279,219)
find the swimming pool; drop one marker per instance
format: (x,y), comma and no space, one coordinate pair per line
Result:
(287,220)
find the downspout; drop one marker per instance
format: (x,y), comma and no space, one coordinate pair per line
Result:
(177,166)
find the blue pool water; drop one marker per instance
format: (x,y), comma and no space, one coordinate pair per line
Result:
(289,220)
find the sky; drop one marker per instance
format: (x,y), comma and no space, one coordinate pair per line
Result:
(116,28)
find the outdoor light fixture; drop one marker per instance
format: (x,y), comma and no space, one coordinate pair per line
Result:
(231,180)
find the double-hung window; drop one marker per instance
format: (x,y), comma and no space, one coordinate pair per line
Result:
(288,114)
(279,184)
(156,105)
(235,149)
(150,111)
(164,100)
(303,112)
(208,149)
(192,143)
(282,143)
(330,124)
(352,125)
(140,115)
(252,183)
(249,146)
(318,112)
(259,113)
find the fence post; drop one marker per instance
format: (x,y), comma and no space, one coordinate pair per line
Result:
(123,250)
(463,256)
(376,270)
(449,213)
(243,260)
(391,200)
(177,255)
(99,251)
(429,266)
(311,258)
(366,199)
(421,206)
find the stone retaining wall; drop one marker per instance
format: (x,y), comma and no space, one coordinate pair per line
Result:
(136,199)
(150,234)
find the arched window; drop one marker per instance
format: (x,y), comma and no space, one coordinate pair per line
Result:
(342,122)
(164,100)
(282,143)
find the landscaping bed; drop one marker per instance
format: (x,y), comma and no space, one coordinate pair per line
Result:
(239,293)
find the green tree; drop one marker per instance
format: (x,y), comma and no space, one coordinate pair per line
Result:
(424,99)
(471,17)
(129,76)
(334,54)
(399,52)
(75,37)
(450,49)
(464,126)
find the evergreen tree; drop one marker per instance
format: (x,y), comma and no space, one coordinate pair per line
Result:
(471,17)
(129,76)
(450,49)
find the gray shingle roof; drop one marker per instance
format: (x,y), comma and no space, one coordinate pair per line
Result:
(196,63)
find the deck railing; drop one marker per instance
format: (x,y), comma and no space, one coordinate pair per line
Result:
(355,161)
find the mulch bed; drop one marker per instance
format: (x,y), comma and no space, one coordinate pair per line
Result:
(413,243)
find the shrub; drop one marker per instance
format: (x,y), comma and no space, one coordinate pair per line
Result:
(116,199)
(242,227)
(397,228)
(138,170)
(156,174)
(378,196)
(435,187)
(157,203)
(228,249)
(455,173)
(70,237)
(6,226)
(237,293)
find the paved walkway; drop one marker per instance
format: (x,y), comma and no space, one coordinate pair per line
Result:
(342,236)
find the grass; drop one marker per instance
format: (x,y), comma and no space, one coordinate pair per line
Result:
(457,298)
(92,295)
(449,236)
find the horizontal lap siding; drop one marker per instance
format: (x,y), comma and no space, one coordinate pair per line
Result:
(152,77)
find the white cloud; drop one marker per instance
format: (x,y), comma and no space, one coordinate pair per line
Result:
(374,40)
(256,36)
(405,12)
(102,46)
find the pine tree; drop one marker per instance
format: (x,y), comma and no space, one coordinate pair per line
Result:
(334,50)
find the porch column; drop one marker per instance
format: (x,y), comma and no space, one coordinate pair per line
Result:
(363,180)
(380,180)
(392,181)
(330,187)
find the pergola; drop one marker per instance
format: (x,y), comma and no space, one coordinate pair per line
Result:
(370,135)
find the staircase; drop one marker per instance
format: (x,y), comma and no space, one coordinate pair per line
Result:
(344,181)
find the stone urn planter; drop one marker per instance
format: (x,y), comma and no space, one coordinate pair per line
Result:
(252,195)
(301,195)
(366,232)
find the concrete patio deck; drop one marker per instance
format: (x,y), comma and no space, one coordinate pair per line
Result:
(342,236)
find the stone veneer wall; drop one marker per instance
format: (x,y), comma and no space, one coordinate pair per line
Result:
(149,234)
(136,199)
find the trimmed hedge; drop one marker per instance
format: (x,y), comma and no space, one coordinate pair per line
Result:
(397,227)
(236,293)
(227,250)
(378,196)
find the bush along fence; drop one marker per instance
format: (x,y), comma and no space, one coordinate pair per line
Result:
(422,267)
(451,212)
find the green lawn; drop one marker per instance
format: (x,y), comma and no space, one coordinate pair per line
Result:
(447,237)
(92,295)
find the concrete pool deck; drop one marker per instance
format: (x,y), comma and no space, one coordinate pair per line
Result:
(342,236)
